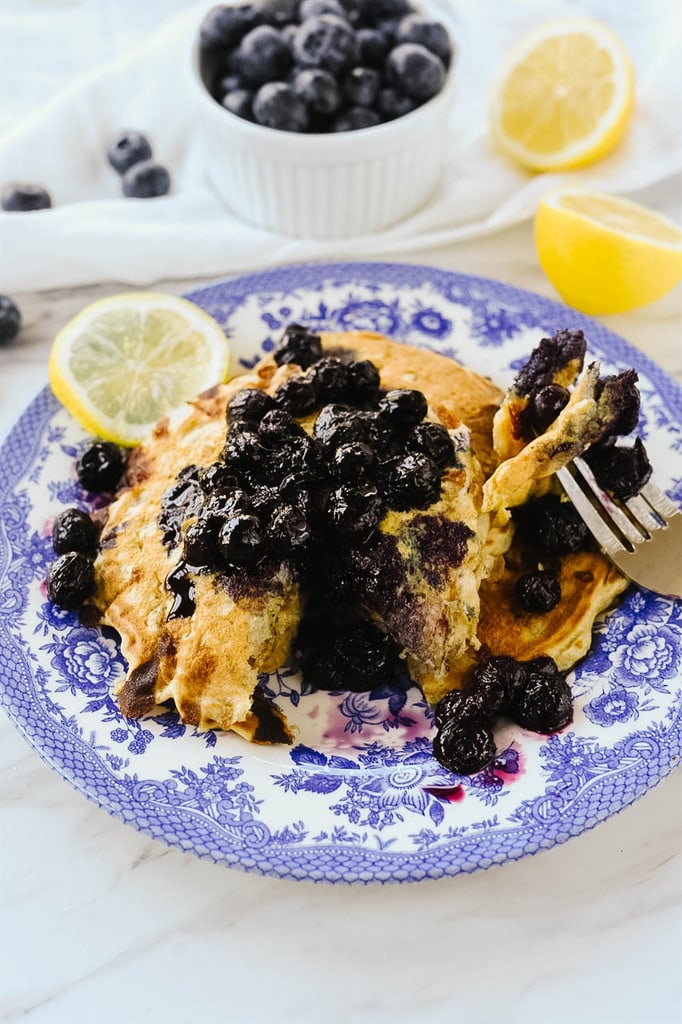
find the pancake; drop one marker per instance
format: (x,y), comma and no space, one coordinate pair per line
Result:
(438,580)
(207,662)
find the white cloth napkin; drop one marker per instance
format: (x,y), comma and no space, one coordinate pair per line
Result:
(93,234)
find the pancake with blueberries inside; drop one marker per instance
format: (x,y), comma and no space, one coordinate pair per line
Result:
(350,501)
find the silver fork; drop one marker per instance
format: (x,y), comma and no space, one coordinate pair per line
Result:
(642,536)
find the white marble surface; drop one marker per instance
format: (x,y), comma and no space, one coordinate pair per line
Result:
(99,924)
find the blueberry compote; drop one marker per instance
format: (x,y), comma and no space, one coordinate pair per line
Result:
(308,503)
(534,694)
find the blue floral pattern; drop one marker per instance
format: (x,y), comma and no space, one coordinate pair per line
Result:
(360,796)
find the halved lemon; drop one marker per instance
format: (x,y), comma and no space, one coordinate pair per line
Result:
(124,362)
(564,96)
(604,254)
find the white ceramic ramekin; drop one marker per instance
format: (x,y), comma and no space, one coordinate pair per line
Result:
(325,186)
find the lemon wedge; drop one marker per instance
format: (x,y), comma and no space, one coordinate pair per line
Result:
(124,362)
(564,95)
(604,254)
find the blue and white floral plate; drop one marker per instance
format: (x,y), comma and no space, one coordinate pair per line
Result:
(360,797)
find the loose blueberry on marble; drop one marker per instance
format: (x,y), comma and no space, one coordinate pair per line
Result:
(146,180)
(10,320)
(25,197)
(128,148)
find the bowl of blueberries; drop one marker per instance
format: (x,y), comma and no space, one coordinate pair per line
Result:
(324,119)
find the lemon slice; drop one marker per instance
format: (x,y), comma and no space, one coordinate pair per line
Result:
(564,96)
(604,254)
(125,362)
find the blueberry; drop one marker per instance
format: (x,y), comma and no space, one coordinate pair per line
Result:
(318,89)
(414,28)
(313,8)
(551,526)
(414,483)
(416,71)
(355,657)
(372,46)
(353,460)
(332,379)
(326,41)
(74,530)
(382,9)
(297,395)
(279,426)
(478,703)
(278,12)
(621,470)
(243,452)
(337,424)
(289,531)
(392,103)
(228,83)
(146,180)
(127,149)
(364,381)
(355,119)
(538,591)
(543,408)
(505,671)
(23,198)
(356,510)
(277,105)
(464,749)
(10,320)
(403,407)
(361,86)
(298,345)
(262,56)
(200,542)
(70,580)
(544,704)
(432,439)
(225,26)
(241,541)
(363,657)
(249,405)
(240,103)
(100,467)
(217,479)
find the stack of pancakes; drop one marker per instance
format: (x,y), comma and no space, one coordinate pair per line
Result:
(208,663)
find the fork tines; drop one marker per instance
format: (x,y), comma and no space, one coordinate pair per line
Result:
(617,525)
(627,530)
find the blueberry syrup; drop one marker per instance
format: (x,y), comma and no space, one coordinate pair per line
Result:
(449,794)
(181,586)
